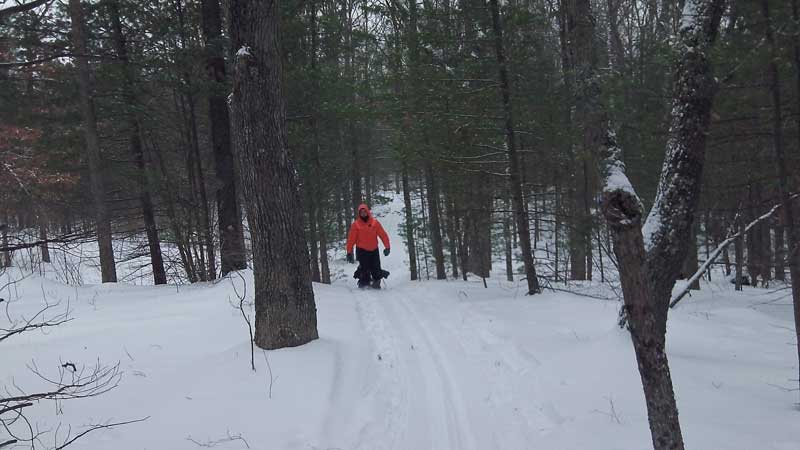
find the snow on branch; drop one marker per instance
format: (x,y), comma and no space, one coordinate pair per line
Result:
(621,206)
(715,254)
(243,51)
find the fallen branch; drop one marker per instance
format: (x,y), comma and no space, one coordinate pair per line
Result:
(33,323)
(98,427)
(715,254)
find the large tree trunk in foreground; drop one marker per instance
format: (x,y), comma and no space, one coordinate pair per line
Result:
(650,259)
(108,267)
(284,298)
(231,234)
(520,211)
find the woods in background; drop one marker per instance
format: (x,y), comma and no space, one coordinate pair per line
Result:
(239,131)
(467,108)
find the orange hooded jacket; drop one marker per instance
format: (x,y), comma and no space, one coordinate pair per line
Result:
(365,234)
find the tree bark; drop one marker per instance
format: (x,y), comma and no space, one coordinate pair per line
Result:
(434,222)
(739,252)
(507,239)
(94,156)
(409,215)
(650,257)
(229,214)
(135,146)
(792,235)
(319,196)
(312,238)
(284,296)
(6,260)
(690,263)
(44,248)
(780,254)
(520,212)
(452,233)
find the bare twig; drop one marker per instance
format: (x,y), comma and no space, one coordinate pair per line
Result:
(214,443)
(269,367)
(96,427)
(242,296)
(36,322)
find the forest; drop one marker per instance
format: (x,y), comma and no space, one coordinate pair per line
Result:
(534,156)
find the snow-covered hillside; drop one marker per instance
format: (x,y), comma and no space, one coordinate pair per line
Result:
(419,365)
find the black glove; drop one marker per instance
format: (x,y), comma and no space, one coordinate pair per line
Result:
(386,252)
(350,258)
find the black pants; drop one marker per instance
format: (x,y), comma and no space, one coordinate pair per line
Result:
(369,266)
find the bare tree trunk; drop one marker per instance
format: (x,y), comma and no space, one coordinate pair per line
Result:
(780,254)
(43,248)
(229,214)
(650,257)
(284,297)
(452,234)
(507,239)
(409,215)
(424,229)
(739,252)
(6,261)
(323,245)
(108,267)
(135,144)
(690,263)
(577,246)
(587,222)
(434,222)
(318,206)
(793,237)
(312,238)
(520,212)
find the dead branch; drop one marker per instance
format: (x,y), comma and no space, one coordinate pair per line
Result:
(96,427)
(7,12)
(718,251)
(214,443)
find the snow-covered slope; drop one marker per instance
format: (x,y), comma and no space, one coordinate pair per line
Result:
(426,365)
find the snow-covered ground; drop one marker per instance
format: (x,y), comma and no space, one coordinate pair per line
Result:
(419,365)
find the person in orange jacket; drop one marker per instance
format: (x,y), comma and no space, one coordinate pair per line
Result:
(364,234)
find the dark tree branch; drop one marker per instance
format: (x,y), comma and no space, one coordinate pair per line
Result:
(11,10)
(98,427)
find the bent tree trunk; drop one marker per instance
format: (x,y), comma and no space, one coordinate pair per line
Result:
(284,298)
(650,256)
(108,267)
